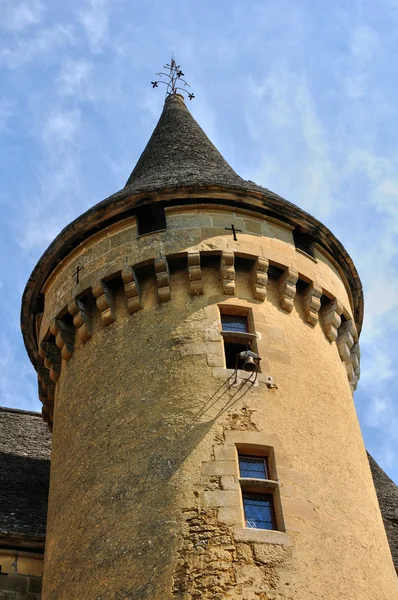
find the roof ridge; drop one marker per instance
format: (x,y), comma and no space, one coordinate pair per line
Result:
(20,411)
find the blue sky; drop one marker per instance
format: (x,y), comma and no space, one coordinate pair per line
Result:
(298,95)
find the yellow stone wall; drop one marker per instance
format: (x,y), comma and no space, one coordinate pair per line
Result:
(20,574)
(198,229)
(145,499)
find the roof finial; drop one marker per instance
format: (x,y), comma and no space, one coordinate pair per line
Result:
(173,78)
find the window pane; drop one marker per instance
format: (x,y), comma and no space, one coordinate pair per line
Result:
(259,511)
(234,323)
(255,468)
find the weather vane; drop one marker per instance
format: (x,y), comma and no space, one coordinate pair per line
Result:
(173,80)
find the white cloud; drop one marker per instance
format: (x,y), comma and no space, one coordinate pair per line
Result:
(6,111)
(377,409)
(282,119)
(60,129)
(377,261)
(364,45)
(48,211)
(17,378)
(75,79)
(94,19)
(381,415)
(379,367)
(18,16)
(44,46)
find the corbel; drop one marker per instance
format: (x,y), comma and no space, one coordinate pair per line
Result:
(356,358)
(45,414)
(312,303)
(162,278)
(352,378)
(228,272)
(131,289)
(82,319)
(331,319)
(105,302)
(64,334)
(195,274)
(345,341)
(52,359)
(287,289)
(259,278)
(46,385)
(42,394)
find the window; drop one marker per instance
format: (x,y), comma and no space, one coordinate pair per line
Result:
(238,334)
(150,218)
(234,323)
(253,467)
(260,491)
(259,511)
(304,241)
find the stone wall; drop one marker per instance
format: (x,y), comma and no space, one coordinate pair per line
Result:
(20,575)
(115,256)
(147,420)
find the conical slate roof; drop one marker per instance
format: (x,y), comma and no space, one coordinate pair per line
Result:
(178,159)
(179,154)
(387,494)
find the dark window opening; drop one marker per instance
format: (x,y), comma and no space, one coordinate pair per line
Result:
(274,272)
(150,218)
(231,350)
(259,511)
(235,323)
(303,241)
(253,467)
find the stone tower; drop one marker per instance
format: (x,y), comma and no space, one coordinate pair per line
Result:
(182,468)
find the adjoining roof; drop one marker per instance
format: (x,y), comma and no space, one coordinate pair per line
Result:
(178,161)
(387,494)
(179,153)
(25,448)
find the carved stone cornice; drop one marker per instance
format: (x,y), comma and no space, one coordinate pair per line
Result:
(53,352)
(260,202)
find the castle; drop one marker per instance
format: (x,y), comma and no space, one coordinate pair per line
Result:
(196,340)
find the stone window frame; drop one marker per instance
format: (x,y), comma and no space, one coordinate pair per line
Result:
(262,486)
(234,337)
(228,500)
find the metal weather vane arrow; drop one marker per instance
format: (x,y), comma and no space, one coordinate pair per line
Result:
(172,80)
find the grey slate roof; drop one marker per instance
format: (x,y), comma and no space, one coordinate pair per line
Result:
(179,154)
(25,447)
(178,159)
(387,494)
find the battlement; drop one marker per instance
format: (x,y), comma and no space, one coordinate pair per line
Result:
(221,276)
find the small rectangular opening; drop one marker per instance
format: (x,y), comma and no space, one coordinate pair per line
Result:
(236,323)
(237,329)
(231,351)
(150,218)
(253,467)
(304,241)
(259,511)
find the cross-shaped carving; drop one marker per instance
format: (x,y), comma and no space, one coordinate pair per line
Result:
(234,231)
(76,273)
